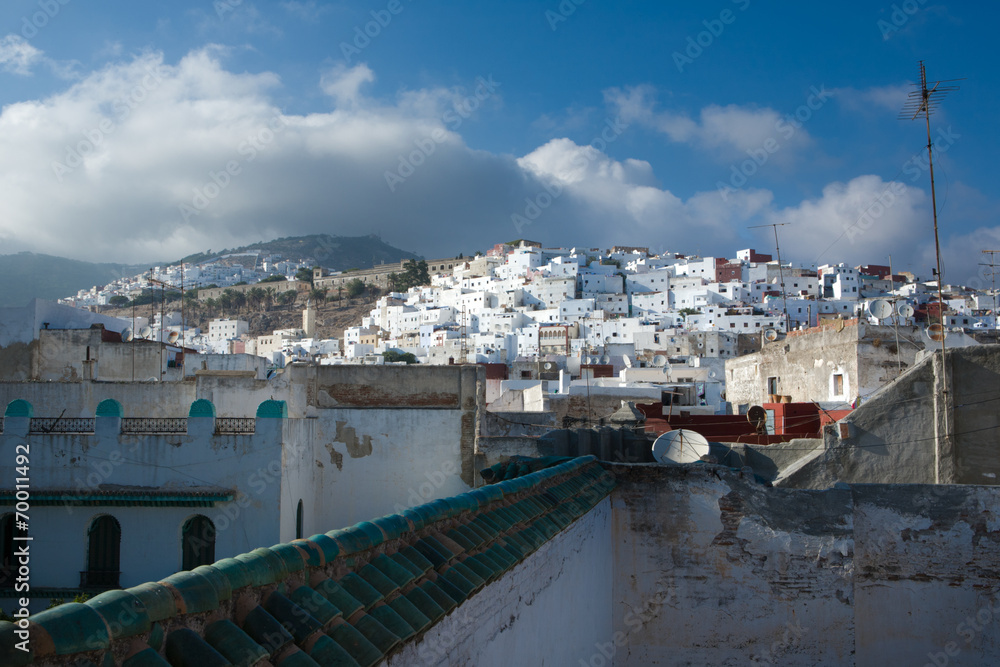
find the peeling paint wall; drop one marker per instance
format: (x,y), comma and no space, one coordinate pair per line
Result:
(552,609)
(712,568)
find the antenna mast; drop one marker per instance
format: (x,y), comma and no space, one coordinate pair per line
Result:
(924,101)
(993,274)
(781,273)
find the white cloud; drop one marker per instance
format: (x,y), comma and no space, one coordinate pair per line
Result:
(17,55)
(877,98)
(344,83)
(307,11)
(729,132)
(144,160)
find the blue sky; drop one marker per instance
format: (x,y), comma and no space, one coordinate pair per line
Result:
(138,131)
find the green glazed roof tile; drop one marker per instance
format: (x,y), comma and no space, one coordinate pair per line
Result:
(74,628)
(456,580)
(157,599)
(325,651)
(461,539)
(407,564)
(393,622)
(297,658)
(266,630)
(400,575)
(9,654)
(124,613)
(378,580)
(295,619)
(186,649)
(291,556)
(234,644)
(237,572)
(439,595)
(338,597)
(327,546)
(377,633)
(486,570)
(474,577)
(261,570)
(223,587)
(436,558)
(356,644)
(315,604)
(410,613)
(360,590)
(426,604)
(197,592)
(416,558)
(146,658)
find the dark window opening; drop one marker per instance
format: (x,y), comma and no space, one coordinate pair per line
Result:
(104,541)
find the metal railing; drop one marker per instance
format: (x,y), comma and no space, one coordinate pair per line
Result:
(61,425)
(154,425)
(235,425)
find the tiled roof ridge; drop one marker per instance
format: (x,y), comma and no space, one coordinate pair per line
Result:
(347,597)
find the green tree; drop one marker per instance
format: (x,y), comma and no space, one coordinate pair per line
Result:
(394,356)
(276,278)
(317,294)
(288,297)
(304,275)
(118,301)
(354,288)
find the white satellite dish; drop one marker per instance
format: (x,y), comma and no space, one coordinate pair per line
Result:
(770,335)
(605,359)
(712,374)
(681,446)
(659,361)
(126,334)
(172,338)
(548,366)
(627,361)
(145,332)
(880,309)
(905,310)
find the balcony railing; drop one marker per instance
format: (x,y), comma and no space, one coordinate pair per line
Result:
(154,425)
(61,425)
(235,425)
(99,579)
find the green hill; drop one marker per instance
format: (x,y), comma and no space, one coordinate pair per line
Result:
(25,276)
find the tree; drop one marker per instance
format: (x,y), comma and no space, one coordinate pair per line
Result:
(354,288)
(288,297)
(269,295)
(304,275)
(255,297)
(394,356)
(317,294)
(276,278)
(118,301)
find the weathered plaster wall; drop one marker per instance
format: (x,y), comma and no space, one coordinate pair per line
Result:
(805,362)
(712,568)
(926,575)
(555,608)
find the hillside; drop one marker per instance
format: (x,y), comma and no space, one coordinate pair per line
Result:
(337,253)
(26,276)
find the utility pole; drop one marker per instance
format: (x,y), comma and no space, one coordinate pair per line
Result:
(895,317)
(993,275)
(781,273)
(924,101)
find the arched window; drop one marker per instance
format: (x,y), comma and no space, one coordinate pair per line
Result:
(197,543)
(103,554)
(8,568)
(298,521)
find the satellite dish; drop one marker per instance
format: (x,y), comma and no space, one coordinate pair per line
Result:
(905,310)
(145,332)
(712,374)
(758,417)
(880,309)
(172,338)
(627,361)
(936,332)
(270,374)
(605,359)
(126,334)
(659,361)
(548,366)
(681,446)
(770,335)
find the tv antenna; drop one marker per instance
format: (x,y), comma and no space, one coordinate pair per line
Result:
(925,101)
(993,274)
(781,273)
